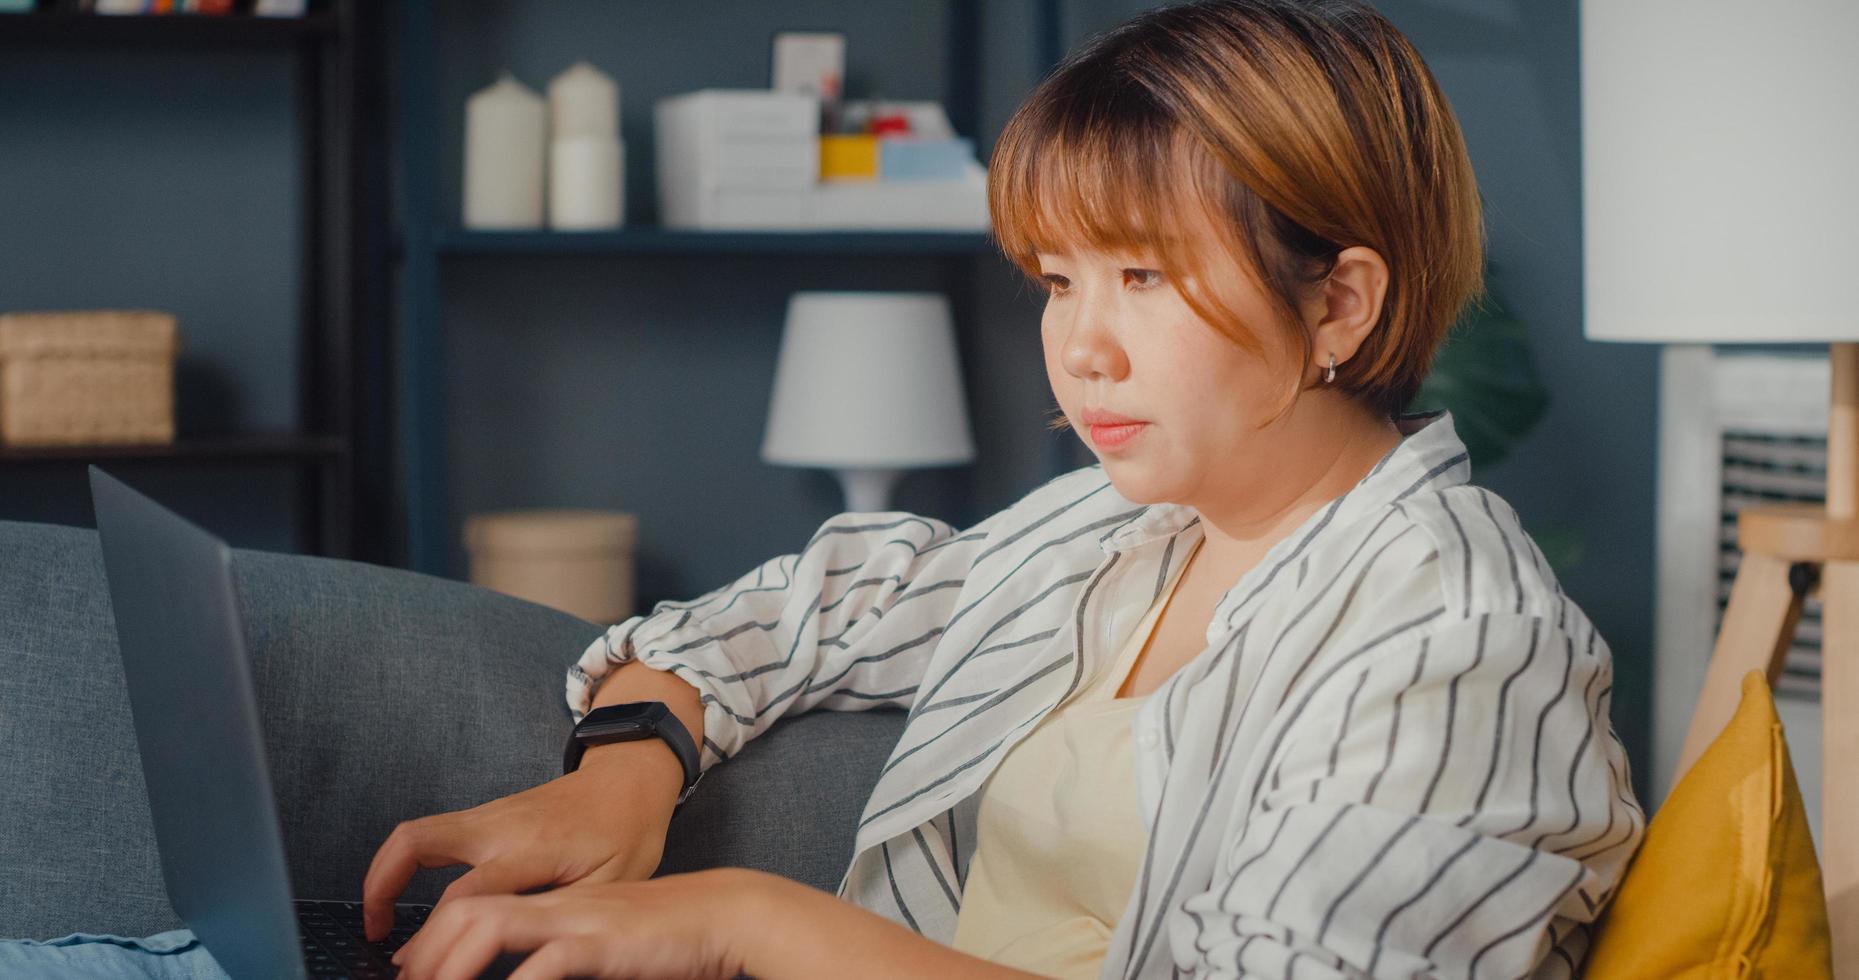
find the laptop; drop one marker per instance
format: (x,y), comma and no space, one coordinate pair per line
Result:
(197,726)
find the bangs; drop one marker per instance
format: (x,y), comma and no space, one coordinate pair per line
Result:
(1103,167)
(1111,174)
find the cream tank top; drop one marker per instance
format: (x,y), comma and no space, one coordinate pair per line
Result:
(1058,839)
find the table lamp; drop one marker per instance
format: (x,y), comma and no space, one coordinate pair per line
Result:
(1720,172)
(867,385)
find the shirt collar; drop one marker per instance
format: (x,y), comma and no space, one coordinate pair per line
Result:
(1429,456)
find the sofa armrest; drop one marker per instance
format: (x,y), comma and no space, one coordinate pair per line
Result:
(790,801)
(385,694)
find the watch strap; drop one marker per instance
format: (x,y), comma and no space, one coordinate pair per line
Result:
(661,722)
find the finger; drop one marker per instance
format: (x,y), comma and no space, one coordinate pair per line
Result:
(505,926)
(412,845)
(472,931)
(498,876)
(580,955)
(469,956)
(428,946)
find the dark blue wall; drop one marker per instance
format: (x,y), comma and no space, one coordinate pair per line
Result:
(161,178)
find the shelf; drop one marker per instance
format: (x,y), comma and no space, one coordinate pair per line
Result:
(245,448)
(647,240)
(163,28)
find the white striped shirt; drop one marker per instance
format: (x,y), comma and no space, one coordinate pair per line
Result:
(1393,758)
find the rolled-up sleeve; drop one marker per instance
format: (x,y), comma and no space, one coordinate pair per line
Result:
(1456,807)
(848,622)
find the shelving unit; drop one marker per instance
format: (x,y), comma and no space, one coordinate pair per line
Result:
(341,351)
(430,241)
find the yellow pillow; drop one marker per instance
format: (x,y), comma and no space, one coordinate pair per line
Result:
(1725,883)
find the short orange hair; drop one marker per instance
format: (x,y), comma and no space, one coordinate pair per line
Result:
(1301,128)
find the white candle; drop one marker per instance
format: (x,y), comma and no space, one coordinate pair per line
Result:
(586,175)
(584,101)
(505,146)
(585,183)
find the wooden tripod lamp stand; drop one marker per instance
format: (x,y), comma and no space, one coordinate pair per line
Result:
(1720,175)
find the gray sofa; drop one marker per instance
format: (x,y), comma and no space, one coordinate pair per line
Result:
(385,695)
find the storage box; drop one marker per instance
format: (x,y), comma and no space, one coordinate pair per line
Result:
(91,377)
(892,205)
(848,157)
(578,561)
(735,158)
(739,209)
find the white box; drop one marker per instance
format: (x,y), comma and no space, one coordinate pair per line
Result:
(737,209)
(903,205)
(736,158)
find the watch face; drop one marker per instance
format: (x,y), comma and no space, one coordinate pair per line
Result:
(618,729)
(628,722)
(620,722)
(635,711)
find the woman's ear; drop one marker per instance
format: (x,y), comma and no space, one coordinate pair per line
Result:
(1347,305)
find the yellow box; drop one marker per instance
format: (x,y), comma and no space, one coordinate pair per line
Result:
(849,157)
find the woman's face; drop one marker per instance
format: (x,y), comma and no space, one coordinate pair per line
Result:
(1122,344)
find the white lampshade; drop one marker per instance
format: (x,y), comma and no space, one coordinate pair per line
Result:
(867,380)
(1720,169)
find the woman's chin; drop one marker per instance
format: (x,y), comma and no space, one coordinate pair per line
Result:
(1134,482)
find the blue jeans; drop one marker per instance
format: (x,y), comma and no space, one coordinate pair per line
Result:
(172,955)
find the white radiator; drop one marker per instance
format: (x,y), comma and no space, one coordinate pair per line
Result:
(1736,428)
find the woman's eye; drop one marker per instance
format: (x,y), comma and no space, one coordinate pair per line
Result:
(1145,278)
(1140,279)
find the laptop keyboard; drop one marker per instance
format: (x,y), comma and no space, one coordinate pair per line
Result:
(334,946)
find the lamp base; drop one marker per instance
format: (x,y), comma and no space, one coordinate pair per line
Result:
(867,489)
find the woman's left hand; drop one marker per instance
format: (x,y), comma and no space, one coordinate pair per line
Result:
(676,927)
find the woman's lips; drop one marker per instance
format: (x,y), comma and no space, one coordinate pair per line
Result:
(1114,436)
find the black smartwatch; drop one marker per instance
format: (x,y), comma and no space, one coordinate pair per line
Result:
(631,722)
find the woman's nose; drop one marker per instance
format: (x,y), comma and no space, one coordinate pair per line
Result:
(1091,349)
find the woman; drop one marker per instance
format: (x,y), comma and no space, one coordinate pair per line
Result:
(1272,690)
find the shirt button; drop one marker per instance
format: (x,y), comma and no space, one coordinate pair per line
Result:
(1146,738)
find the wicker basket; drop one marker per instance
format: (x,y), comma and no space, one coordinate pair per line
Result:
(87,377)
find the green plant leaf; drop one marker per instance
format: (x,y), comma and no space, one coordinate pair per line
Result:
(1484,375)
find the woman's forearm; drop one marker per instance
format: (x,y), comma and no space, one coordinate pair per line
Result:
(634,681)
(794,931)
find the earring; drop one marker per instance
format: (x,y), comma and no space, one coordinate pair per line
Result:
(1331,374)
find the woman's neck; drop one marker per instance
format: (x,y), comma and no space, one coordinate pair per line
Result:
(1238,535)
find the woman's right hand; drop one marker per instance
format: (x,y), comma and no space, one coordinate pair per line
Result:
(606,821)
